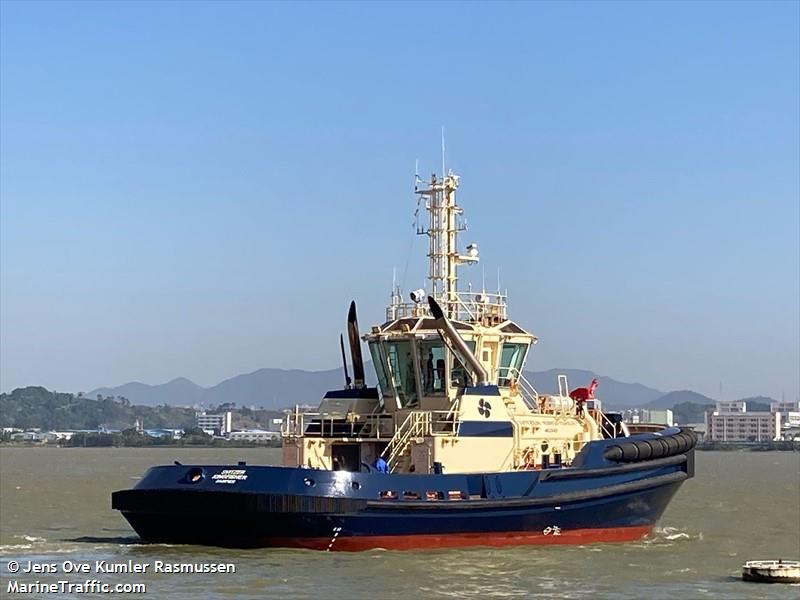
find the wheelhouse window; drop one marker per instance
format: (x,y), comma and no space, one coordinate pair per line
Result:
(380,368)
(403,371)
(512,358)
(432,364)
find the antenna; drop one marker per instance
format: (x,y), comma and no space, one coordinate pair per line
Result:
(444,173)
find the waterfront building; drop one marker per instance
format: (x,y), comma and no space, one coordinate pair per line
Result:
(662,417)
(34,435)
(161,432)
(217,424)
(731,422)
(255,436)
(785,406)
(790,412)
(731,406)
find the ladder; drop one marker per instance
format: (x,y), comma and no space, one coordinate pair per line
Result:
(397,451)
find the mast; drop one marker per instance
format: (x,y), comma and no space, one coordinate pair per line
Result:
(443,227)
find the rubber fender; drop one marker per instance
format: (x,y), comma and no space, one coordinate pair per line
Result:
(690,440)
(630,451)
(691,433)
(645,449)
(673,445)
(613,453)
(681,441)
(662,447)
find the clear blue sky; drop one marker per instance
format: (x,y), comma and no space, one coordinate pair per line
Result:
(199,190)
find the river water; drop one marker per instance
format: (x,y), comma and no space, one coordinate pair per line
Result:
(55,507)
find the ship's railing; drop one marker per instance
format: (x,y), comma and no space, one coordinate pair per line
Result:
(607,428)
(514,379)
(351,425)
(416,425)
(467,306)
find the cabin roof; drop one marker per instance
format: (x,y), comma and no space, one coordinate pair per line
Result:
(427,324)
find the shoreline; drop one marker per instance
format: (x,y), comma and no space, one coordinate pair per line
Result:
(703,447)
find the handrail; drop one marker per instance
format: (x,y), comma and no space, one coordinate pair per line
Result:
(400,441)
(419,423)
(529,394)
(601,422)
(469,306)
(296,423)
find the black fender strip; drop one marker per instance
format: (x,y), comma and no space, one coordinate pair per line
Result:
(558,499)
(625,468)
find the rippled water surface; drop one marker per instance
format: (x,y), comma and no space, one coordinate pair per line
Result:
(55,506)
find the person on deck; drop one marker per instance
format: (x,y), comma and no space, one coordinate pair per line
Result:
(381,466)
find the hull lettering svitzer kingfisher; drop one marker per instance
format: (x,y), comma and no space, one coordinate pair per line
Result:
(453,447)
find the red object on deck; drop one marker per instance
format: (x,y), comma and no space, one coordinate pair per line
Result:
(584,393)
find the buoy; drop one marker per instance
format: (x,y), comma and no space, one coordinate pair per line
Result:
(771,571)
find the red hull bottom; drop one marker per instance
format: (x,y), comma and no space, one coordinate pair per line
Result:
(460,540)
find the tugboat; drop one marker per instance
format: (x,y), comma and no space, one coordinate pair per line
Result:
(453,447)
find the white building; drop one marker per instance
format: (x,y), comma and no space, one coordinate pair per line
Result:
(785,406)
(790,412)
(737,425)
(34,435)
(661,417)
(218,424)
(161,432)
(731,406)
(253,436)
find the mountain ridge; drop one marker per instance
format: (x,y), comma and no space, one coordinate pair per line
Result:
(280,388)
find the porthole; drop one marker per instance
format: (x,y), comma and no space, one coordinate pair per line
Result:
(309,482)
(356,485)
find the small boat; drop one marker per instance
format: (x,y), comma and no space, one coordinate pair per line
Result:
(453,447)
(771,571)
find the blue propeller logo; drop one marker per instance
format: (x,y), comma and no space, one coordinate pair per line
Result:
(484,408)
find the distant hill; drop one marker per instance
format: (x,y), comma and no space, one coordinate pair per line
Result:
(690,412)
(267,388)
(678,397)
(613,393)
(281,388)
(181,388)
(278,388)
(37,407)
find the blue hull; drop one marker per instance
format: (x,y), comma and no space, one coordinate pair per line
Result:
(255,506)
